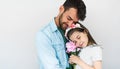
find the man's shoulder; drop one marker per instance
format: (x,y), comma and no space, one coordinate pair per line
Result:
(45,28)
(48,29)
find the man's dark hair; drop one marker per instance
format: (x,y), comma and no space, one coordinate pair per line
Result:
(77,4)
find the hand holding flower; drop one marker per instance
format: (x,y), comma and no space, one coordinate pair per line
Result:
(74,59)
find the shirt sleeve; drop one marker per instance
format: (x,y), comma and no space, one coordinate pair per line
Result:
(46,53)
(97,53)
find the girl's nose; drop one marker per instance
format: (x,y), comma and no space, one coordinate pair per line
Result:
(77,44)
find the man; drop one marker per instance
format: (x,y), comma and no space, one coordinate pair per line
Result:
(50,40)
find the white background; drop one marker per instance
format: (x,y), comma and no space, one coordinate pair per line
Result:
(21,19)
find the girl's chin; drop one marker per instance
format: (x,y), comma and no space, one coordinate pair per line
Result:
(84,45)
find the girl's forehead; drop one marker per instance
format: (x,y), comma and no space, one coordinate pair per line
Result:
(75,34)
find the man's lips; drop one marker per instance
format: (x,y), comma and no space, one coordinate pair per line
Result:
(65,26)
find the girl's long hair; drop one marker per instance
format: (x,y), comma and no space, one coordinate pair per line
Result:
(91,41)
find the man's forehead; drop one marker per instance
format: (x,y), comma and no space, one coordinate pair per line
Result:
(72,12)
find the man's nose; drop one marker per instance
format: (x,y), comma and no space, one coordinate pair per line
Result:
(70,23)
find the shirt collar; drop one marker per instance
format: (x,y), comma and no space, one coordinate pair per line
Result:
(53,25)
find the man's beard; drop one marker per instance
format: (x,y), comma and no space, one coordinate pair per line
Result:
(62,25)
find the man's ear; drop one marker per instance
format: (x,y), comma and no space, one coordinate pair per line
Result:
(61,9)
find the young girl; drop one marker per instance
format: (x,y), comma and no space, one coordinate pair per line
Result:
(90,56)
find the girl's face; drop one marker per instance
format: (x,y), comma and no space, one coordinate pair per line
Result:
(79,38)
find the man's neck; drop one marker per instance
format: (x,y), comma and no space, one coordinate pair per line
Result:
(56,21)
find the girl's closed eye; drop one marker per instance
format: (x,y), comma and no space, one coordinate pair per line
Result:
(74,42)
(78,37)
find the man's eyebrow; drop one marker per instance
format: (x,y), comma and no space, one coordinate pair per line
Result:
(72,19)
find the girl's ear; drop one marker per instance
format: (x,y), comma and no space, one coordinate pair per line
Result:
(61,9)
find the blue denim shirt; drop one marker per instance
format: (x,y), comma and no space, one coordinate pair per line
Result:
(51,48)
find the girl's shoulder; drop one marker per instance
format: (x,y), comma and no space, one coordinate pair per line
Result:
(95,47)
(96,53)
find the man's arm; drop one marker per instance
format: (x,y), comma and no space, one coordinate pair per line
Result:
(46,52)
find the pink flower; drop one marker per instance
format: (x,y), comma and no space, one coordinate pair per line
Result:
(70,47)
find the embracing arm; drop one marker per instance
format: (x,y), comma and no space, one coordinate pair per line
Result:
(46,53)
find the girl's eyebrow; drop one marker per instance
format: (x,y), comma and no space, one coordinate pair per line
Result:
(77,36)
